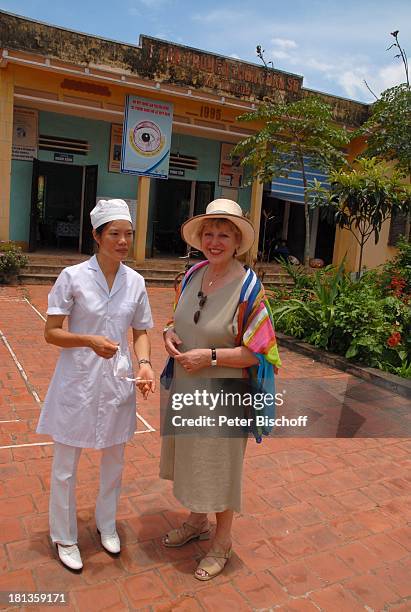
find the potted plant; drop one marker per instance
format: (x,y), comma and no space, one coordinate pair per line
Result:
(11,260)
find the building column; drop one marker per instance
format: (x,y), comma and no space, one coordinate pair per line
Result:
(6,138)
(143,200)
(255,216)
(314,232)
(345,245)
(286,219)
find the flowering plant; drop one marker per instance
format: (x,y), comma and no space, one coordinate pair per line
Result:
(394,339)
(366,320)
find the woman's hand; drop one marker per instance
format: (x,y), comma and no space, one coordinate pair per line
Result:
(171,341)
(102,346)
(194,360)
(148,382)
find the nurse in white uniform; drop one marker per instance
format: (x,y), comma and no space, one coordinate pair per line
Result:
(87,406)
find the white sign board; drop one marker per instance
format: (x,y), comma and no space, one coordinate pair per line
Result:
(146,137)
(25,134)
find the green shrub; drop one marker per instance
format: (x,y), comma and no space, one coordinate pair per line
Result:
(396,274)
(366,320)
(11,260)
(363,323)
(313,310)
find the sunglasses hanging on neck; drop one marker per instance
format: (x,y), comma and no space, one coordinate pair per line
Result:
(202,300)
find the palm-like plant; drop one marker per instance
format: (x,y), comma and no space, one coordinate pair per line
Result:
(320,309)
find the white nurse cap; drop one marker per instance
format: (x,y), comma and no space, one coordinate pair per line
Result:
(109,210)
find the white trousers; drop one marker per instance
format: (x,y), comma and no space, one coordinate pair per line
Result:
(62,507)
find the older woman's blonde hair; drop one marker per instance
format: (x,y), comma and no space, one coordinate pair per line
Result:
(218,223)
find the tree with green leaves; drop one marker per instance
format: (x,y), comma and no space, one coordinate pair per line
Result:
(388,130)
(294,134)
(362,198)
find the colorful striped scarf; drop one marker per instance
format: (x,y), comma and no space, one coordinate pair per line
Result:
(255,331)
(254,318)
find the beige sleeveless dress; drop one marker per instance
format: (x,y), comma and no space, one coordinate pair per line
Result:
(206,471)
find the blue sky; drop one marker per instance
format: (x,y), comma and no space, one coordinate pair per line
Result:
(334,44)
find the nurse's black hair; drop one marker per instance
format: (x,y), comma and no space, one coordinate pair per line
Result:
(100,228)
(99,231)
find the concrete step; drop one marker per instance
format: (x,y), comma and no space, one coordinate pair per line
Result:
(37,279)
(158,264)
(278,282)
(49,279)
(32,269)
(157,280)
(46,272)
(62,261)
(56,269)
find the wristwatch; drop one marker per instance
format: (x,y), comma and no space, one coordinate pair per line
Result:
(140,361)
(213,357)
(167,327)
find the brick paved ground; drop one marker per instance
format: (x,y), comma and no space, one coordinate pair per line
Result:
(325,522)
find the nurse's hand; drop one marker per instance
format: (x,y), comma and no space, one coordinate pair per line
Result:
(103,347)
(148,383)
(194,360)
(171,342)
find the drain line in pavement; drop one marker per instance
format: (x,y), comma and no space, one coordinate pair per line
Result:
(20,368)
(27,444)
(35,309)
(35,395)
(147,425)
(11,421)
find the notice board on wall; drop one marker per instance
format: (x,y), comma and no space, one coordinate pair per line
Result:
(25,134)
(146,137)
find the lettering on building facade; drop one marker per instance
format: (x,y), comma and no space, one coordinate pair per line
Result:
(86,87)
(164,62)
(220,74)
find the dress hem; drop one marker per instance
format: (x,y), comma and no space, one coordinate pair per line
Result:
(203,509)
(195,508)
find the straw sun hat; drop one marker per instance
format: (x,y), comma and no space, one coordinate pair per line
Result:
(220,209)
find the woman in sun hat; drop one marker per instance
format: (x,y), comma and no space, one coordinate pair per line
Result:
(86,405)
(221,329)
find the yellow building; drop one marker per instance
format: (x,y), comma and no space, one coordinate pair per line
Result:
(62,97)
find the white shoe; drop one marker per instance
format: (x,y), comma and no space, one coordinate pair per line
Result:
(111,543)
(70,556)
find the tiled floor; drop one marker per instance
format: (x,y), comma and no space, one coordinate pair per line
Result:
(325,522)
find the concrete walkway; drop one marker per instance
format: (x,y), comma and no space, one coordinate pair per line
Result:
(325,522)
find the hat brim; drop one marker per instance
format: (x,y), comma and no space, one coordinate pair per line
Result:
(190,230)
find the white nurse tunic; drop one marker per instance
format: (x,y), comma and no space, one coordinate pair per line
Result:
(86,405)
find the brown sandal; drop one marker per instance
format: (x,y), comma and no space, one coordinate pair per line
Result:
(186,533)
(213,563)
